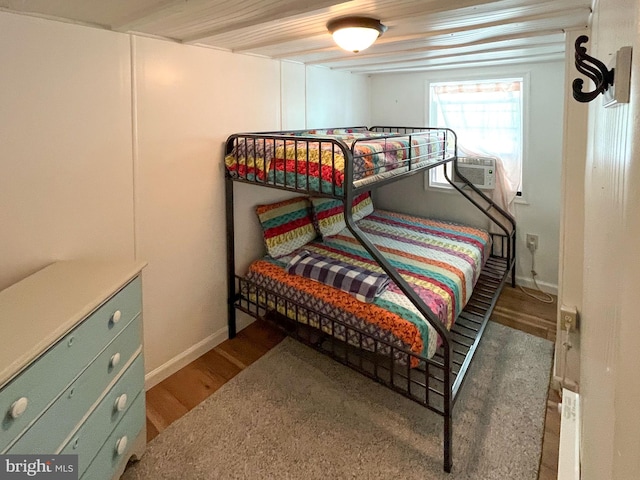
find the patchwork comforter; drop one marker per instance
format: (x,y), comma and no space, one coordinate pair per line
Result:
(440,260)
(319,166)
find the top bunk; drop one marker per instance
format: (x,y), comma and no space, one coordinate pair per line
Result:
(322,162)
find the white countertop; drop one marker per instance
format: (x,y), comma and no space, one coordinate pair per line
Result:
(43,307)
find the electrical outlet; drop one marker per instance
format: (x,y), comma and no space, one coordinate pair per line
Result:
(568,318)
(532,242)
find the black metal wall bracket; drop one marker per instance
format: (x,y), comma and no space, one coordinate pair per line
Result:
(593,69)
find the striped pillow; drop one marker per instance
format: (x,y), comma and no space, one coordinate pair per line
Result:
(328,213)
(286,225)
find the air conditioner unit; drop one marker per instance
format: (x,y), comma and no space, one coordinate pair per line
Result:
(481,171)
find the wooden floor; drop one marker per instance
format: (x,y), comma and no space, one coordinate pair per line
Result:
(175,396)
(516,309)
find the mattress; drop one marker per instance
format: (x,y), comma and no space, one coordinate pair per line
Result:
(318,166)
(441,261)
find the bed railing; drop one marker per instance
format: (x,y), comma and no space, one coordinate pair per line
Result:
(435,383)
(325,166)
(501,218)
(315,164)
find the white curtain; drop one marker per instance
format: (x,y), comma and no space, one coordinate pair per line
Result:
(487,119)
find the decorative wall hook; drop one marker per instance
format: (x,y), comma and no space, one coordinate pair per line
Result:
(593,69)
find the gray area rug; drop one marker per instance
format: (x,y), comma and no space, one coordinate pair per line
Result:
(296,414)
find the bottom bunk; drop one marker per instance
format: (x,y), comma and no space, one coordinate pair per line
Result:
(458,271)
(423,383)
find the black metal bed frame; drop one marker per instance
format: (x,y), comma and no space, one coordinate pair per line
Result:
(435,382)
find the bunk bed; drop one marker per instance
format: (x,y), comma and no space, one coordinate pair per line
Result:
(335,170)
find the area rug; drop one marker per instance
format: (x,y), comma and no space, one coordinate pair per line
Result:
(296,414)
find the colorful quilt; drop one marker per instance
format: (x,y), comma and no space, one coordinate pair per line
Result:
(319,166)
(440,260)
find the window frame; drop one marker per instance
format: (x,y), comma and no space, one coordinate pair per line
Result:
(502,76)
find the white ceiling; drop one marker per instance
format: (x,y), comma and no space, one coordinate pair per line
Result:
(421,35)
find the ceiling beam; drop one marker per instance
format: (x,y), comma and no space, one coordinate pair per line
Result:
(457,64)
(552,47)
(444,53)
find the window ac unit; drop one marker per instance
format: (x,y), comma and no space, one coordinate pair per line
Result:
(481,171)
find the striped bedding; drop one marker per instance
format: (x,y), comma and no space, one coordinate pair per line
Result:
(440,260)
(284,162)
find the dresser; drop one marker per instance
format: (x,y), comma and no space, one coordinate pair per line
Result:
(71,365)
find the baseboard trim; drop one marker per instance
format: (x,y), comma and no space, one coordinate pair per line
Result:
(183,359)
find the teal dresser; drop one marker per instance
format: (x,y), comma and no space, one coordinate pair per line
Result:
(71,365)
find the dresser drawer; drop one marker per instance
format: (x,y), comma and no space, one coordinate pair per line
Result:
(118,446)
(27,396)
(57,422)
(89,438)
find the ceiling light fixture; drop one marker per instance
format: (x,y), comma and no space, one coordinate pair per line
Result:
(355,33)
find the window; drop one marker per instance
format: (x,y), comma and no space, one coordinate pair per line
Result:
(487,118)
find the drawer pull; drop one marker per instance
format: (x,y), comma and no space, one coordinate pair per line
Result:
(18,407)
(115,360)
(121,445)
(117,315)
(121,402)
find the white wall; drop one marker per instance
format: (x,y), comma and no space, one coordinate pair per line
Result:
(337,99)
(571,219)
(66,177)
(187,103)
(293,92)
(610,343)
(312,97)
(399,99)
(112,146)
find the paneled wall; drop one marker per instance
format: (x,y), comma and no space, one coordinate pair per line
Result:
(187,101)
(111,146)
(609,329)
(66,176)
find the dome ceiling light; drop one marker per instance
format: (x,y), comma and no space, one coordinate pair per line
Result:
(354,34)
